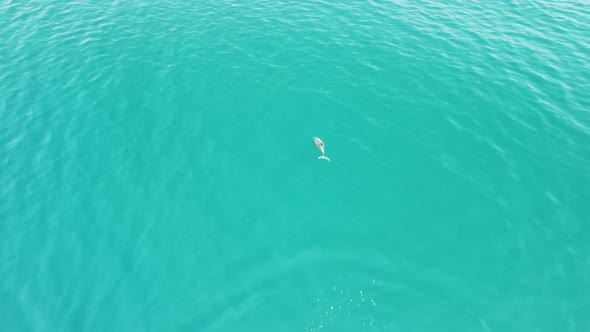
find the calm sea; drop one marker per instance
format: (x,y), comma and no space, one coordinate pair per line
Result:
(158,172)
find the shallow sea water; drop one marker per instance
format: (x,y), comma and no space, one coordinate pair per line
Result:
(158,173)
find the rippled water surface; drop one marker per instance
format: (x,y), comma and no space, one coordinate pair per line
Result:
(158,173)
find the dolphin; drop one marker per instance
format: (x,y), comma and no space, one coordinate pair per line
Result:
(320,145)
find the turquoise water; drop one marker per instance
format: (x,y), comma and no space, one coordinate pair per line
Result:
(158,173)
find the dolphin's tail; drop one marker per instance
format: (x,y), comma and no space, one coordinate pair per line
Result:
(324,157)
